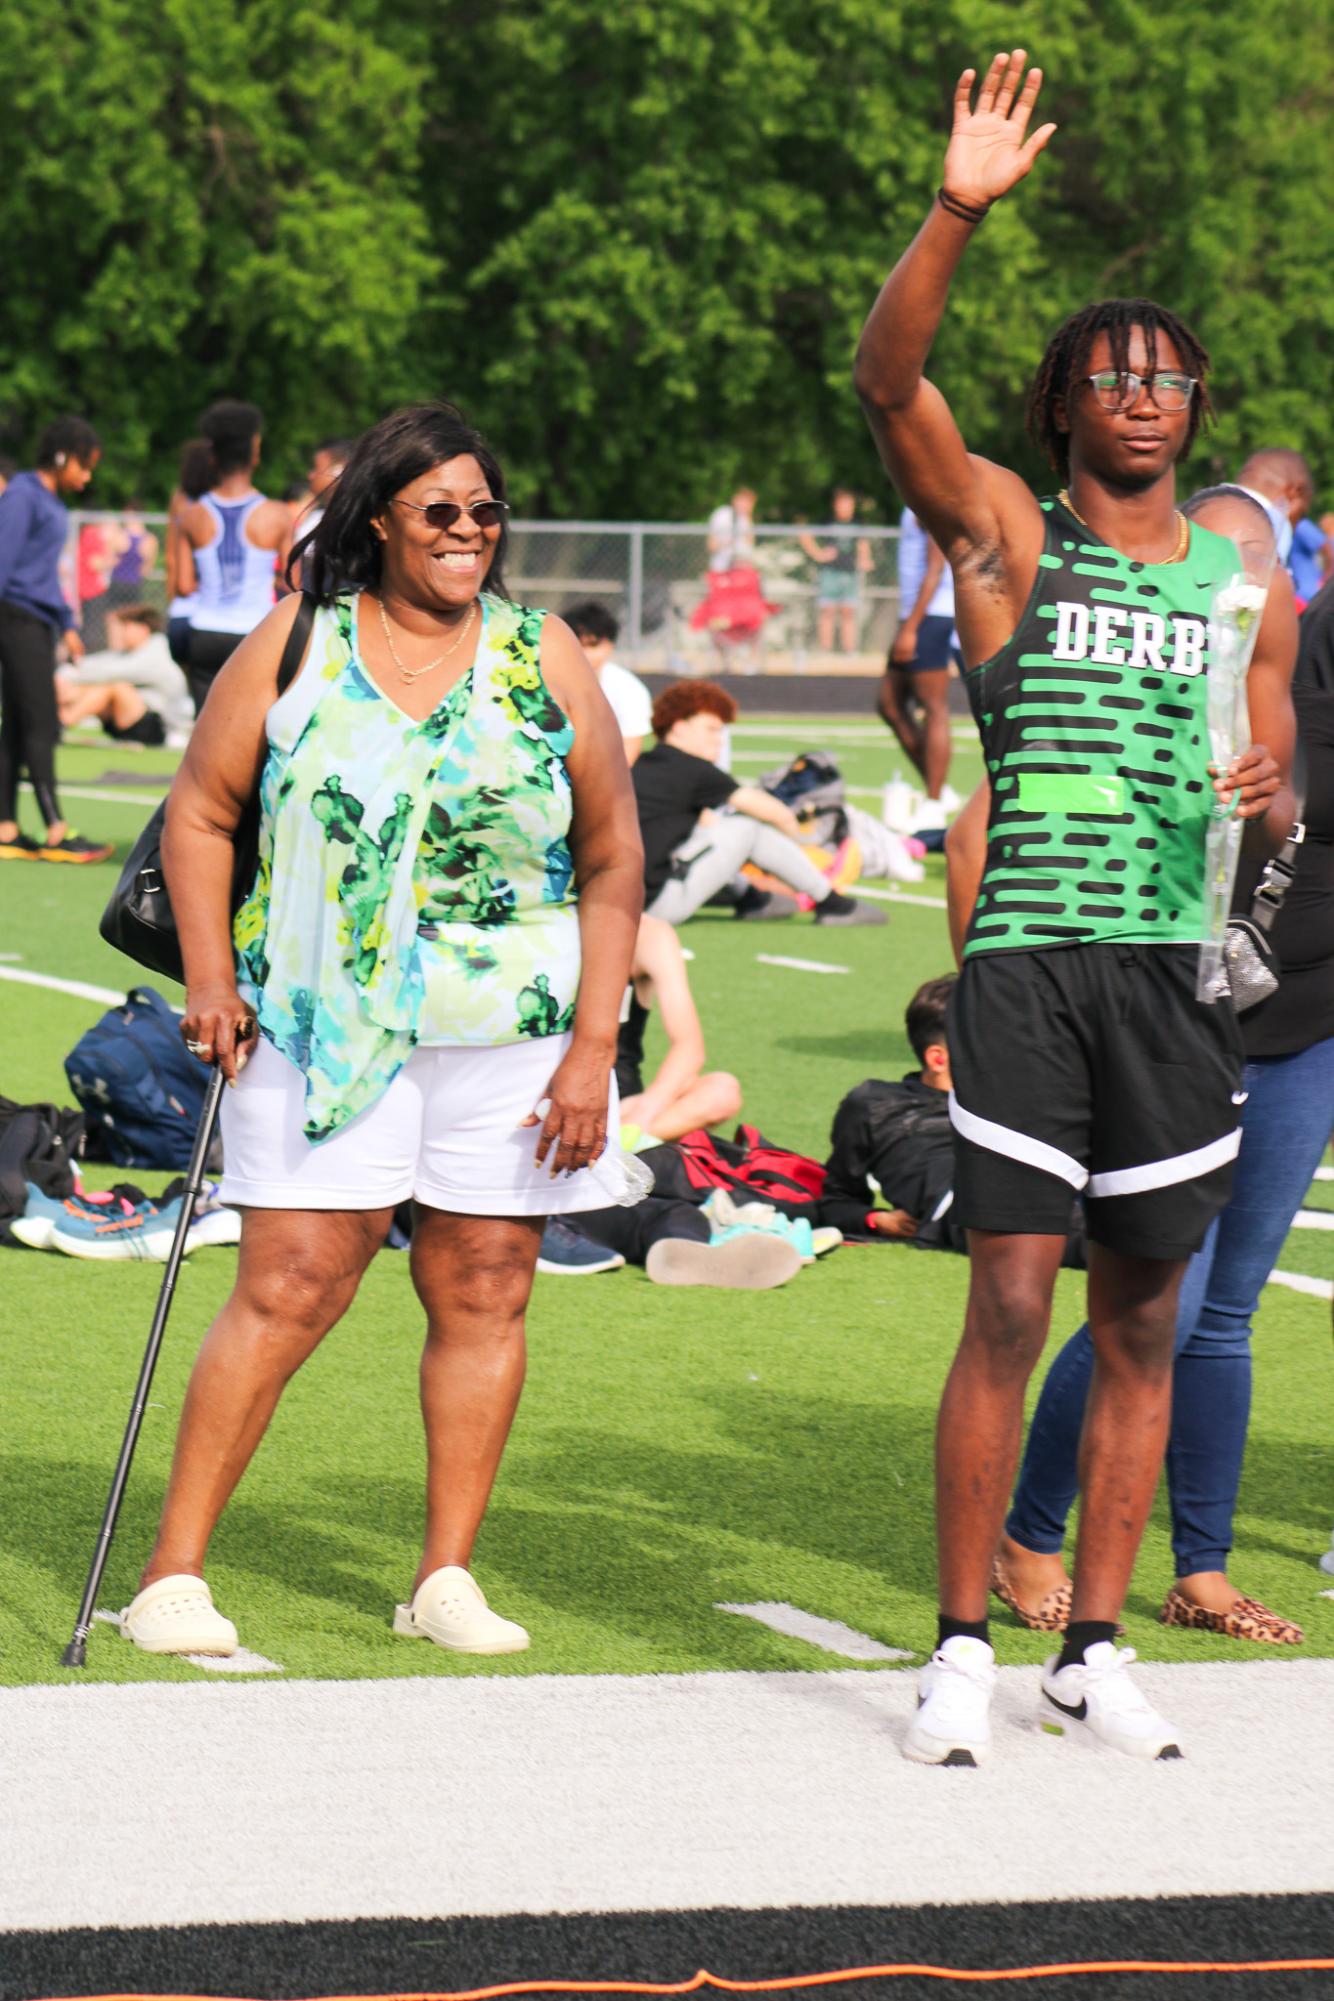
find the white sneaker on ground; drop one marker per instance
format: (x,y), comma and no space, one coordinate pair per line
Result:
(1099,1696)
(735,1260)
(952,1725)
(176,1615)
(450,1608)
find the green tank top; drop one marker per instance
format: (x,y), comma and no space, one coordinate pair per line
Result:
(1093,726)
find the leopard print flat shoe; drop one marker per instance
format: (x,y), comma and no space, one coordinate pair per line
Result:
(1245,1619)
(1050,1615)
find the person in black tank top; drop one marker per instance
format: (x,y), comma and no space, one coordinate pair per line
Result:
(1088,699)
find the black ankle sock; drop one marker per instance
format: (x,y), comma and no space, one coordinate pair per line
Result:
(1080,1635)
(953,1629)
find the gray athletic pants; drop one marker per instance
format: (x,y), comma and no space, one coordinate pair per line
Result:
(713,854)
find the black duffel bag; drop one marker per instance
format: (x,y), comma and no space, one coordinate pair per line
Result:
(139,919)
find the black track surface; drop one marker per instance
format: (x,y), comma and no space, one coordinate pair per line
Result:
(273,1962)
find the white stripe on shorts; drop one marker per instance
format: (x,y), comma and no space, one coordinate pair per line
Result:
(1016,1145)
(1166,1173)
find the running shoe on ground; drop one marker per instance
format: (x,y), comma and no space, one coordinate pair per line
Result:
(568,1253)
(763,905)
(76,848)
(737,1259)
(953,1723)
(1098,1695)
(145,1234)
(42,1213)
(21,849)
(846,910)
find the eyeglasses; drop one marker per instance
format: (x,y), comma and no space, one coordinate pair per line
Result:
(1168,389)
(444,513)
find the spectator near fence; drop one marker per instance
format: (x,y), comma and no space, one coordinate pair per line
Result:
(844,557)
(33,616)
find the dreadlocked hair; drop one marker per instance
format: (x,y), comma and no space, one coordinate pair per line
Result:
(1067,356)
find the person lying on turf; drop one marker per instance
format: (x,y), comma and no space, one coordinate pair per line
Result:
(900,1135)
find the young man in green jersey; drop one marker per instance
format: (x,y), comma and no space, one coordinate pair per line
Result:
(1081,1057)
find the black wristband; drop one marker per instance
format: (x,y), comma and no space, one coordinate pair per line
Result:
(966,211)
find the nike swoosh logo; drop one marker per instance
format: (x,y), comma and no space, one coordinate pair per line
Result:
(1079,1710)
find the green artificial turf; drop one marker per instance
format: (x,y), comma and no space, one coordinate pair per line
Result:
(673,1448)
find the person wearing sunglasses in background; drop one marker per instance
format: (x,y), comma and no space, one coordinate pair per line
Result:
(434,951)
(1081,1058)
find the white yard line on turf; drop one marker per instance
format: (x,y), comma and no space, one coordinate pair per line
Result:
(1324,1174)
(830,1634)
(112,795)
(1296,1281)
(1313,1219)
(79,988)
(241,1662)
(894,895)
(286,1800)
(798,965)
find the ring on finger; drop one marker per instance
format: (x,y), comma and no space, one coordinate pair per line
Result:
(197,1048)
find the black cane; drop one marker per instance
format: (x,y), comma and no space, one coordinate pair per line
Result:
(75,1653)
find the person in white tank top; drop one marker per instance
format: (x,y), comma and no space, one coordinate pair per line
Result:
(235,542)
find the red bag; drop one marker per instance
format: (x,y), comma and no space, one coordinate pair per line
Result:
(751,1169)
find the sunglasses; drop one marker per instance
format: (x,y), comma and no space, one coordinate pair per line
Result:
(1168,389)
(444,513)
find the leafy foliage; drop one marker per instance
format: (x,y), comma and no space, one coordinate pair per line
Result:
(637,242)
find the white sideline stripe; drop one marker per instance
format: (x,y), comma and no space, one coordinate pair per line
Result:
(1297,1281)
(1016,1145)
(897,896)
(476,1794)
(1167,1173)
(1324,1174)
(830,1634)
(241,1662)
(79,988)
(1313,1219)
(798,965)
(113,796)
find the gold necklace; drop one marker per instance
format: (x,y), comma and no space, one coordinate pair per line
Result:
(415,673)
(1183,530)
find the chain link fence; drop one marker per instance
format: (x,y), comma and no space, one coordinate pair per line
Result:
(652,576)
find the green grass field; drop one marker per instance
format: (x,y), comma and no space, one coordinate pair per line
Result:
(673,1449)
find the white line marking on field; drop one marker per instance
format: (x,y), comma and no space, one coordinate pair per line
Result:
(898,896)
(798,965)
(241,1662)
(830,1634)
(79,988)
(1313,1219)
(113,796)
(1324,1174)
(1296,1281)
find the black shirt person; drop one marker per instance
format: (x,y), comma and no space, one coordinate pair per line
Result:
(1071,987)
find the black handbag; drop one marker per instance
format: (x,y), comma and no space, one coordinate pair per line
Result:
(139,919)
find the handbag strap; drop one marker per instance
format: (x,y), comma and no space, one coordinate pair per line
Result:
(1278,872)
(294,652)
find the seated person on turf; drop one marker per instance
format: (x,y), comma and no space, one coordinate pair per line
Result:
(631,704)
(901,1135)
(134,688)
(692,849)
(681,1094)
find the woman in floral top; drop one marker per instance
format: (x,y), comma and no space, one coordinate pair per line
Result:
(433,955)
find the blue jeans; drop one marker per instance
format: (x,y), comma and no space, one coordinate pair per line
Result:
(1285,1126)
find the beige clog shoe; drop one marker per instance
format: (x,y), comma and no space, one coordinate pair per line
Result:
(449,1608)
(176,1615)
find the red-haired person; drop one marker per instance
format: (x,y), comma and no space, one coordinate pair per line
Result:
(699,824)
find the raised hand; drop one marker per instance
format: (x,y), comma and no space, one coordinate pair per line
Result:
(988,152)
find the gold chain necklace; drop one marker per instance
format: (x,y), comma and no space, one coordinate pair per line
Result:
(1183,530)
(415,673)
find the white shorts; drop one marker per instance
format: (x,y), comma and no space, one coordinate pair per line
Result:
(447,1132)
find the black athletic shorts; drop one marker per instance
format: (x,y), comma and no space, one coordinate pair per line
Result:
(149,729)
(1093,1068)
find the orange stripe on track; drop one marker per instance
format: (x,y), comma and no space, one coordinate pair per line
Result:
(786,1983)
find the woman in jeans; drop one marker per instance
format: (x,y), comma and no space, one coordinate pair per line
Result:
(1286,1122)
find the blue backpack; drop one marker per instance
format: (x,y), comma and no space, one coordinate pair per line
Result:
(141,1091)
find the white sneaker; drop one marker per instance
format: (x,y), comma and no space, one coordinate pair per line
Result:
(1100,1695)
(952,1725)
(450,1608)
